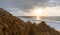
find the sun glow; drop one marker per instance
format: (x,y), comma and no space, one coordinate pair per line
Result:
(37,12)
(47,11)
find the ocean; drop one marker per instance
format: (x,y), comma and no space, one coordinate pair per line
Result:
(51,23)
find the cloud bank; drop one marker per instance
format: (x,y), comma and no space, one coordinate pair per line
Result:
(25,5)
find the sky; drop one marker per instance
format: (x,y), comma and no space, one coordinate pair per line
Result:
(23,7)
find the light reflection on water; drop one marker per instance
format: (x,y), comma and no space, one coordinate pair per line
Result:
(53,24)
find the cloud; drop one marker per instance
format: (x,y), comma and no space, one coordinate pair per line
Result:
(52,11)
(28,4)
(24,5)
(17,12)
